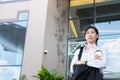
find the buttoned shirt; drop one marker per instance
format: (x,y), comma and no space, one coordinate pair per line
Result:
(89,56)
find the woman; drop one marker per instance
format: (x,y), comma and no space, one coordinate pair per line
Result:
(92,55)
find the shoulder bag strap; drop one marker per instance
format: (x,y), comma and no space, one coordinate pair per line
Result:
(80,53)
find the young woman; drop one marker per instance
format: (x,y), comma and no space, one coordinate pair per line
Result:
(92,55)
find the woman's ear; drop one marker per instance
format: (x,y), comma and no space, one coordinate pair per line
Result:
(97,36)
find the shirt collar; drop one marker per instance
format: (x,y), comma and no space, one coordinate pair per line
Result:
(94,46)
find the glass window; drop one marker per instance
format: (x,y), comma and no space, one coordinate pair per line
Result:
(81,14)
(10,72)
(108,21)
(103,14)
(12,39)
(110,39)
(6,0)
(23,16)
(10,0)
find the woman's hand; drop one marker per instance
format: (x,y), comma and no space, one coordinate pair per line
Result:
(80,62)
(97,57)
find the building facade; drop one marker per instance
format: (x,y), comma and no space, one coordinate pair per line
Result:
(36,32)
(29,28)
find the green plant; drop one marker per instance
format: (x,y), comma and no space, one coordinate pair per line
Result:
(45,74)
(22,77)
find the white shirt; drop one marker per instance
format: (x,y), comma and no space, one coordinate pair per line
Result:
(89,57)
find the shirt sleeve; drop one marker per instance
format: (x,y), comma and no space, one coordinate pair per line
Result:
(100,63)
(74,60)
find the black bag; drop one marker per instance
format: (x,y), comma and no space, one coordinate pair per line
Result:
(79,70)
(84,72)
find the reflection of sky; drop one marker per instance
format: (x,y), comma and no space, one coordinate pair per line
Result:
(10,62)
(112,65)
(21,23)
(107,28)
(23,16)
(114,25)
(110,39)
(8,73)
(7,0)
(11,58)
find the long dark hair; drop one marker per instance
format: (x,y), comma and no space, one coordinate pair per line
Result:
(96,30)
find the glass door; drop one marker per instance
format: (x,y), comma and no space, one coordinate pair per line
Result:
(103,14)
(110,39)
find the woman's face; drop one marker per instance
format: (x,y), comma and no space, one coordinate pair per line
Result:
(91,35)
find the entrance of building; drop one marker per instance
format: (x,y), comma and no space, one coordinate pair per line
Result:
(105,15)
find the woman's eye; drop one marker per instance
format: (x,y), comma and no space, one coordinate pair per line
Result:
(87,32)
(92,32)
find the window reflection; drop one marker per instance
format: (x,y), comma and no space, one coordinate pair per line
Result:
(10,0)
(103,14)
(9,73)
(12,40)
(7,0)
(110,39)
(23,16)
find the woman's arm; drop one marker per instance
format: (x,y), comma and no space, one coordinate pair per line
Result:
(99,61)
(74,60)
